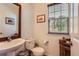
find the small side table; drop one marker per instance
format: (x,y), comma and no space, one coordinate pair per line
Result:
(65,48)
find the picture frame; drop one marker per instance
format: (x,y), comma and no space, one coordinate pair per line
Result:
(9,20)
(41,18)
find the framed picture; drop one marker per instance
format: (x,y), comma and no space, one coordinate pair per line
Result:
(41,18)
(9,20)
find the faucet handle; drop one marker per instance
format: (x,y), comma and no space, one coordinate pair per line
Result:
(9,38)
(1,33)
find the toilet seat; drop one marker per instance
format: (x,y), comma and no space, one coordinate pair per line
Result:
(38,51)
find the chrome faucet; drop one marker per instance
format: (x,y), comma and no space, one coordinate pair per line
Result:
(9,38)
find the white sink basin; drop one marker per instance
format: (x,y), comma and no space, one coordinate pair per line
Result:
(6,46)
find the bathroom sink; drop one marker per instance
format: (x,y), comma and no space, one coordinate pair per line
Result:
(6,46)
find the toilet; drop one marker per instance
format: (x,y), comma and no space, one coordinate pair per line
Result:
(37,51)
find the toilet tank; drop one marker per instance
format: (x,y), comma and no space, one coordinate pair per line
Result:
(30,44)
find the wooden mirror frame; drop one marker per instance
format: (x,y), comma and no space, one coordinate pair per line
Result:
(19,22)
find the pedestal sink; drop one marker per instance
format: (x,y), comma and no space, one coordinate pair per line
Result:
(6,47)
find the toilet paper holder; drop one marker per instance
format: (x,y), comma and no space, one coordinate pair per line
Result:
(46,42)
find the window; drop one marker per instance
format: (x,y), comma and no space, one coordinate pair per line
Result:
(75,18)
(58,18)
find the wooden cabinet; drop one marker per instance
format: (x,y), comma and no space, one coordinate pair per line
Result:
(65,48)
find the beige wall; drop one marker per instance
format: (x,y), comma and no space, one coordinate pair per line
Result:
(27,21)
(40,32)
(75,46)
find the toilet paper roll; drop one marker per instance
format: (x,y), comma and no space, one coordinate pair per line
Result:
(46,42)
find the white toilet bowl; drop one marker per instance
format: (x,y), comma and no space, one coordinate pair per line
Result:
(38,51)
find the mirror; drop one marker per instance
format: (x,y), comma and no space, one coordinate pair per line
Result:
(10,19)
